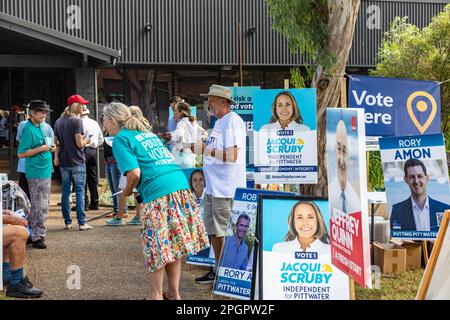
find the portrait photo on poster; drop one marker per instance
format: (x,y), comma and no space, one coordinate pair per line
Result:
(343,163)
(196,180)
(294,250)
(417,185)
(414,180)
(285,136)
(237,262)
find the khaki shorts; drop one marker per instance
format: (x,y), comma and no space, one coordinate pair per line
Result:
(216,212)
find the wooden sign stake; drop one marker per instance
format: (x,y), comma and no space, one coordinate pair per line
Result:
(425,251)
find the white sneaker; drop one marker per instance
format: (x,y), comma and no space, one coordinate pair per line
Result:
(67,227)
(85,227)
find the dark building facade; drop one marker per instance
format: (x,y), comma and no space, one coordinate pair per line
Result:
(144,51)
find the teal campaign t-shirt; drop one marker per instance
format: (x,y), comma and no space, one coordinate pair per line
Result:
(160,174)
(40,165)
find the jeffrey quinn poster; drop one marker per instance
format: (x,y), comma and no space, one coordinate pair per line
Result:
(347,184)
(296,251)
(417,186)
(285,136)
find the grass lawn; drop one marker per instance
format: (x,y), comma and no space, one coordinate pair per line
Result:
(403,286)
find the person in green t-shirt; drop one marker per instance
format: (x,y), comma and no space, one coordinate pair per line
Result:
(170,219)
(37,150)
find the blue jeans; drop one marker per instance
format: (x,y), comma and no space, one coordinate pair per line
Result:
(113,175)
(78,174)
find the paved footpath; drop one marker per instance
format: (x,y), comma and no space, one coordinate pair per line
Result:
(109,259)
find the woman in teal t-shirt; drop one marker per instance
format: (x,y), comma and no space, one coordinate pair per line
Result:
(170,219)
(36,148)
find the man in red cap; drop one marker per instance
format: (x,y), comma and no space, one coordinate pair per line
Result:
(70,142)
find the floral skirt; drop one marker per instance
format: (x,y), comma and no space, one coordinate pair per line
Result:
(171,228)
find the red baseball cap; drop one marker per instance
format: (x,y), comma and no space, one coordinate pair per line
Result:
(76,99)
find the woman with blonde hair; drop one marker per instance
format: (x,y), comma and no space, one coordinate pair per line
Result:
(188,131)
(122,202)
(306,230)
(137,113)
(171,226)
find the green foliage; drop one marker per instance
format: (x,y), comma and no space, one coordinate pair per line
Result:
(301,81)
(376,180)
(305,25)
(297,80)
(408,52)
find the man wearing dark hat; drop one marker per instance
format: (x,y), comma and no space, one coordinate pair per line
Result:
(37,149)
(70,142)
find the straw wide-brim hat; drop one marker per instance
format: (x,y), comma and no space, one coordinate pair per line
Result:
(219,91)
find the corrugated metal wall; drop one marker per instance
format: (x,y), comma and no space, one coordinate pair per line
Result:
(194,32)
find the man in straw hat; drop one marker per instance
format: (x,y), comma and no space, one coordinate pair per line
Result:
(224,168)
(37,149)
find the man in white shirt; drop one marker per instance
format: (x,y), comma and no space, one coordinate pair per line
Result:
(341,193)
(224,168)
(93,132)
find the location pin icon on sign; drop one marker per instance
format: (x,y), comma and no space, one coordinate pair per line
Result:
(421,106)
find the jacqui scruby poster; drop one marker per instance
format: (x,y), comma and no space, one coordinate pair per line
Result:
(296,251)
(285,136)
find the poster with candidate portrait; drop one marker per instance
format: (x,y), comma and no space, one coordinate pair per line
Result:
(193,111)
(347,184)
(295,251)
(196,181)
(235,269)
(244,108)
(396,107)
(285,136)
(417,185)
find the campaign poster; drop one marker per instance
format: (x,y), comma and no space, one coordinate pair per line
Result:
(347,193)
(244,108)
(196,179)
(193,111)
(396,107)
(235,270)
(285,136)
(296,252)
(417,185)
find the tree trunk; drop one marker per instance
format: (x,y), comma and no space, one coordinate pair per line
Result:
(146,94)
(149,105)
(342,16)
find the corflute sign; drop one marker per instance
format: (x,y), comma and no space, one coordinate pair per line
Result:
(395,107)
